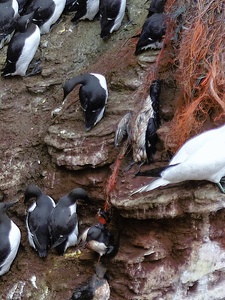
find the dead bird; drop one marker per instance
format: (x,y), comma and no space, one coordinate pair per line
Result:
(141,129)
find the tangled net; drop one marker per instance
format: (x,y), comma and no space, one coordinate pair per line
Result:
(200,74)
(194,52)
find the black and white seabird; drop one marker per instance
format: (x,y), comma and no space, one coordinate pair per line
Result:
(10,237)
(8,18)
(93,96)
(22,47)
(98,238)
(37,221)
(200,158)
(111,15)
(47,13)
(87,9)
(152,33)
(64,222)
(96,287)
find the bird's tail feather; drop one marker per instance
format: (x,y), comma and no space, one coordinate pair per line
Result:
(152,185)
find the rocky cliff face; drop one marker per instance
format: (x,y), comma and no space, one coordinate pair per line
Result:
(171,240)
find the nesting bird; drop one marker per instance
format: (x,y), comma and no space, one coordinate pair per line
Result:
(200,158)
(93,95)
(10,237)
(111,15)
(37,220)
(46,13)
(64,222)
(98,238)
(22,47)
(152,33)
(87,9)
(8,18)
(96,287)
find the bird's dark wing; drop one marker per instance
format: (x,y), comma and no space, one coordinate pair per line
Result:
(80,7)
(13,53)
(4,249)
(38,226)
(108,13)
(60,229)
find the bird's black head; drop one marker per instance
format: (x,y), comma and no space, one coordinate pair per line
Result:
(32,191)
(78,193)
(24,22)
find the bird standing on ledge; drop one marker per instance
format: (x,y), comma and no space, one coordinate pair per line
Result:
(37,221)
(152,33)
(87,9)
(8,17)
(200,158)
(22,47)
(10,237)
(93,96)
(111,15)
(64,222)
(47,12)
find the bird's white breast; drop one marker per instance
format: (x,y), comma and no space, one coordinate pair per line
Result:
(14,239)
(59,7)
(30,235)
(119,17)
(15,7)
(29,50)
(92,9)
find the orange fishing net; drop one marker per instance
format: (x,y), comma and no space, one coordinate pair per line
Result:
(200,73)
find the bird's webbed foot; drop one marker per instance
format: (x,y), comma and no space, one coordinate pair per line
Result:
(35,68)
